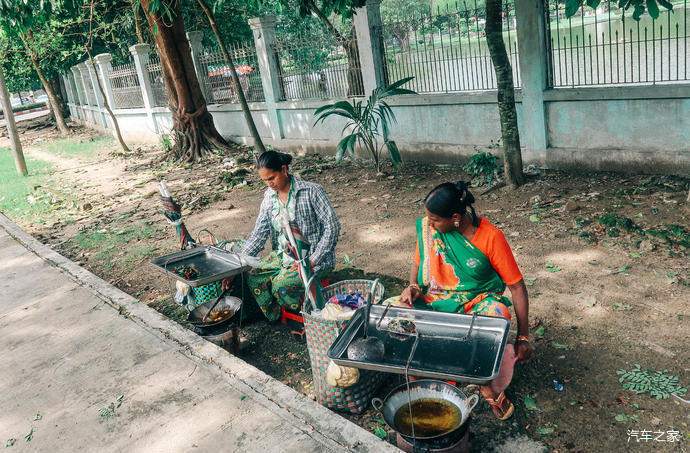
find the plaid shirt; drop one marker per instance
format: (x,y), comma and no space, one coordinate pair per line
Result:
(315,218)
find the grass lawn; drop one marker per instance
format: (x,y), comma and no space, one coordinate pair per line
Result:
(19,195)
(70,147)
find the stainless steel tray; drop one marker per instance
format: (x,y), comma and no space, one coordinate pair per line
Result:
(213,263)
(476,360)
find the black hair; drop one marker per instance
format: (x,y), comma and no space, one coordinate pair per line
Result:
(273,160)
(447,199)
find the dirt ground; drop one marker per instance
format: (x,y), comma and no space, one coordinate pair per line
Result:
(605,257)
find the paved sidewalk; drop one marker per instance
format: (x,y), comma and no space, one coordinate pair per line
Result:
(72,343)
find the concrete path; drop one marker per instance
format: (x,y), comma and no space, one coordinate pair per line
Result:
(72,343)
(26,116)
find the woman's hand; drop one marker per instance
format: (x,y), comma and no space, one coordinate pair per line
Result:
(295,267)
(523,349)
(409,295)
(226,284)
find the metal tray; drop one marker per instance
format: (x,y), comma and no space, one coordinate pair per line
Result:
(213,263)
(476,360)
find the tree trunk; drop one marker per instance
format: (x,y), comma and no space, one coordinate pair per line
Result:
(235,80)
(138,21)
(118,135)
(193,124)
(506,95)
(21,100)
(55,86)
(27,39)
(12,133)
(355,84)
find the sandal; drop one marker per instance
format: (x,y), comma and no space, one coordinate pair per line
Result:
(501,406)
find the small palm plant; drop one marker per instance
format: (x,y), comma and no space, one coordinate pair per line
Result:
(368,122)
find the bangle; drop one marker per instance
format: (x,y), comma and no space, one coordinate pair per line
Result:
(414,285)
(522,338)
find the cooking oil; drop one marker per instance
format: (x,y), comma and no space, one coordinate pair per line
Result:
(432,417)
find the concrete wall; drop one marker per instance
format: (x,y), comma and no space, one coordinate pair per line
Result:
(632,129)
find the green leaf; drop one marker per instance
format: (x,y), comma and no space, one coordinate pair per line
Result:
(534,218)
(666,4)
(10,442)
(560,346)
(638,12)
(653,9)
(556,269)
(621,418)
(593,3)
(635,255)
(155,29)
(540,331)
(395,154)
(530,404)
(530,281)
(621,269)
(243,397)
(571,7)
(544,431)
(38,416)
(549,265)
(380,433)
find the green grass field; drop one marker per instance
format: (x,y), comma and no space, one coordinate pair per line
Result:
(70,147)
(20,196)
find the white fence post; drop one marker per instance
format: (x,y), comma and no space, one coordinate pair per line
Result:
(78,95)
(88,99)
(195,38)
(533,66)
(140,52)
(104,65)
(367,21)
(264,30)
(96,91)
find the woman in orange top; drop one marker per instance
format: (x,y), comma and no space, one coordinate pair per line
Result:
(463,265)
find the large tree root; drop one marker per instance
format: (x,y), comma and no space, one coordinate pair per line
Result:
(195,135)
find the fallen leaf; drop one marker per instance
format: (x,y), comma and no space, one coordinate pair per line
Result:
(10,442)
(530,281)
(544,431)
(621,418)
(534,218)
(560,346)
(530,404)
(380,432)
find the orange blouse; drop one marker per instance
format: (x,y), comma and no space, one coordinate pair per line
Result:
(491,241)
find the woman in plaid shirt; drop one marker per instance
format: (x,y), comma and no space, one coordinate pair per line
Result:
(276,281)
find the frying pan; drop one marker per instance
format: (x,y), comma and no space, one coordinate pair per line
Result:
(230,303)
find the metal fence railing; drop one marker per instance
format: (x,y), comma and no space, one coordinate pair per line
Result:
(160,98)
(598,47)
(446,51)
(315,64)
(217,77)
(125,86)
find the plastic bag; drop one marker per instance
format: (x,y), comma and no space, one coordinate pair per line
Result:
(341,376)
(336,312)
(182,292)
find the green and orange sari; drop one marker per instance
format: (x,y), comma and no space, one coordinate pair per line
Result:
(455,276)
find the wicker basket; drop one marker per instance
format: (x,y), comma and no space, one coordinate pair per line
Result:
(321,334)
(206,292)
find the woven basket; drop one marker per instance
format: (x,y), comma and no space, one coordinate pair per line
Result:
(205,292)
(321,334)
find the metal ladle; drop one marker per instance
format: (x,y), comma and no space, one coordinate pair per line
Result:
(367,349)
